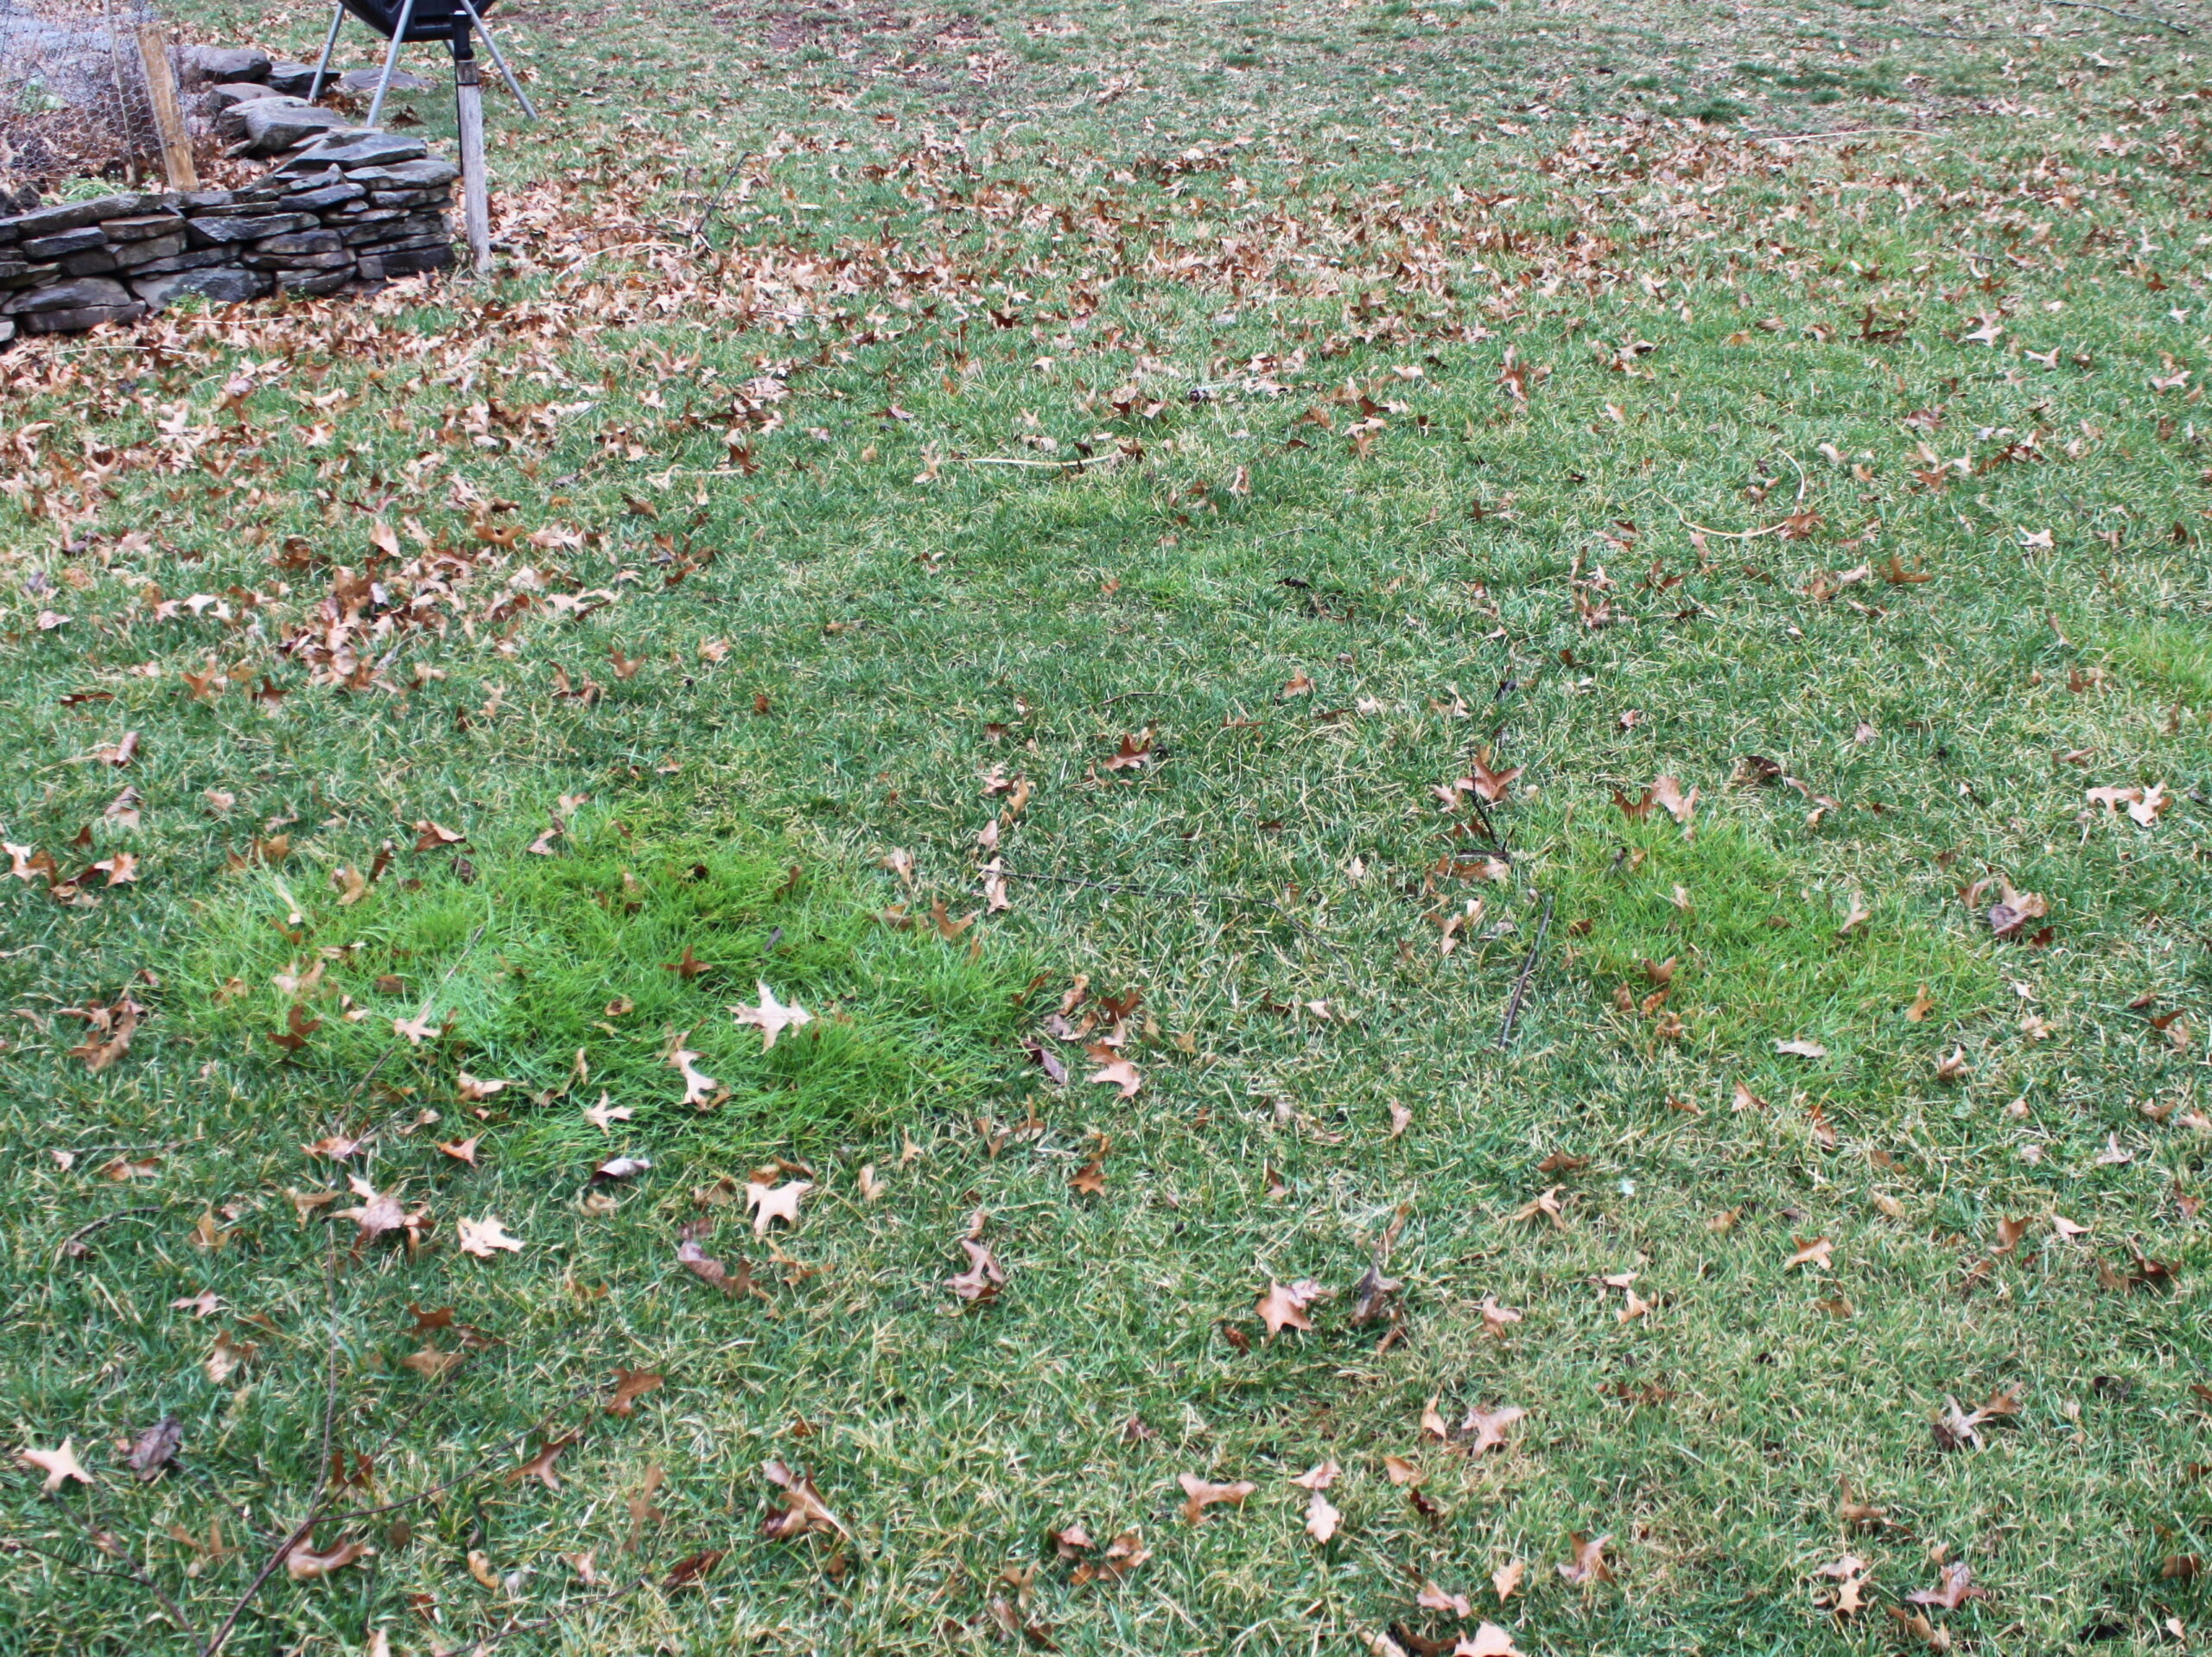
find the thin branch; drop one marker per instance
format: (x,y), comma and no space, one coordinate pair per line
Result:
(17,1545)
(130,1566)
(305,1528)
(2125,16)
(1527,971)
(82,1232)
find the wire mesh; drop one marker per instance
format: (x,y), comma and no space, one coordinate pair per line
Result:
(73,101)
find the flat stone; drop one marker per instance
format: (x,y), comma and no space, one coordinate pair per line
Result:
(95,263)
(271,124)
(79,320)
(245,227)
(231,123)
(314,282)
(47,221)
(440,197)
(200,200)
(412,175)
(294,78)
(7,329)
(65,242)
(374,150)
(27,275)
(142,228)
(365,81)
(403,262)
(136,255)
(342,257)
(93,291)
(230,285)
(199,260)
(226,63)
(304,241)
(231,93)
(330,196)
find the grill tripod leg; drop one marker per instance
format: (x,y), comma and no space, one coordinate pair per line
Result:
(329,45)
(501,58)
(391,59)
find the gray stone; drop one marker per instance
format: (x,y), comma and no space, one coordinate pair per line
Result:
(143,228)
(201,201)
(65,242)
(78,321)
(229,285)
(339,259)
(7,329)
(294,78)
(47,221)
(27,275)
(231,123)
(438,198)
(133,256)
(403,262)
(226,63)
(365,81)
(314,282)
(412,175)
(373,149)
(272,124)
(69,295)
(233,92)
(195,261)
(95,263)
(304,241)
(330,196)
(245,227)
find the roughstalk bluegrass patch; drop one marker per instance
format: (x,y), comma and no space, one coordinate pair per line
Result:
(573,973)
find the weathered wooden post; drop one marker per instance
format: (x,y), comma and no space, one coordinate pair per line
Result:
(468,111)
(177,166)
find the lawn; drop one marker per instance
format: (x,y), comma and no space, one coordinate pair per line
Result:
(1198,828)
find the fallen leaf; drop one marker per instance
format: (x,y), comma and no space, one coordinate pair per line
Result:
(1201,1494)
(152,1451)
(769,1203)
(803,1509)
(1489,1427)
(1281,1307)
(1487,1641)
(1588,1564)
(57,1465)
(1814,1252)
(540,1466)
(772,1018)
(485,1237)
(1321,1517)
(303,1563)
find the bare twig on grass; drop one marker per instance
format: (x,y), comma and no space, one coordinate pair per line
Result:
(305,1528)
(2125,16)
(70,1243)
(130,1569)
(1520,983)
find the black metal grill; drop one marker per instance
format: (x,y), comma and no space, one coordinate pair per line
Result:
(430,20)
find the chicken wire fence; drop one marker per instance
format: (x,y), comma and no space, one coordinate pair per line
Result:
(73,97)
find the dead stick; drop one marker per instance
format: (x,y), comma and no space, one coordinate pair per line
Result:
(84,1231)
(1521,984)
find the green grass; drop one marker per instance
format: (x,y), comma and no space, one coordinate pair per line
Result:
(619,937)
(724,536)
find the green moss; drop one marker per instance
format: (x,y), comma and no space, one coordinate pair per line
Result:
(529,963)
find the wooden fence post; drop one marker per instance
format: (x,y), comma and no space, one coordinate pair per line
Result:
(168,121)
